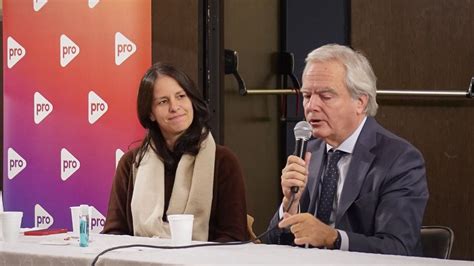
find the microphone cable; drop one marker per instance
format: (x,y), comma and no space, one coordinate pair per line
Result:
(292,199)
(234,243)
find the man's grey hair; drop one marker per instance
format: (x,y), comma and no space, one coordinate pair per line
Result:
(360,78)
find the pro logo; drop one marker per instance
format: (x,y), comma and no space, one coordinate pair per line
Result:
(69,164)
(93,3)
(16,163)
(68,50)
(124,48)
(38,4)
(97,107)
(42,218)
(15,52)
(97,220)
(42,107)
(118,154)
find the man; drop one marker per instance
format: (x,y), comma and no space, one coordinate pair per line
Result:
(378,193)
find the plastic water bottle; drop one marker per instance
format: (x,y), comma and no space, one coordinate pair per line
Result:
(84,226)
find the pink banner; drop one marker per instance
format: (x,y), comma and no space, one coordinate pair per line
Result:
(71,73)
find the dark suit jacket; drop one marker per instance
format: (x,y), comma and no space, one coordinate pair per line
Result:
(383,198)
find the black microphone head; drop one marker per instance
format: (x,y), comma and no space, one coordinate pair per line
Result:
(303,130)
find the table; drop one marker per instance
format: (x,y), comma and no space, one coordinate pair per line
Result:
(61,249)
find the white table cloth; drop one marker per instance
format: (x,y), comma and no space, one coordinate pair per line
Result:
(61,249)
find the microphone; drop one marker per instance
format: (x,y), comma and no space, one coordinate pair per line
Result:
(303,132)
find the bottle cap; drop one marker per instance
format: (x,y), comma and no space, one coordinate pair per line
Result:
(84,209)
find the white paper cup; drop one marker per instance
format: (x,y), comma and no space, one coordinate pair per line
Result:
(11,224)
(181,227)
(75,212)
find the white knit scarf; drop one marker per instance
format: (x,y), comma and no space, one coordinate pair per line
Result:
(192,192)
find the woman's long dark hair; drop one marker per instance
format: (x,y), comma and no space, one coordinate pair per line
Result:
(190,141)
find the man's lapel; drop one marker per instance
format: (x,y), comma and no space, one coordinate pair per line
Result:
(361,160)
(317,149)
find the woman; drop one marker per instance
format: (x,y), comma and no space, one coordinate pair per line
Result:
(178,168)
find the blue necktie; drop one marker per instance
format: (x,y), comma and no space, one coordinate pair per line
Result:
(329,186)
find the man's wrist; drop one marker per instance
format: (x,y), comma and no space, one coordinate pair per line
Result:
(337,242)
(332,240)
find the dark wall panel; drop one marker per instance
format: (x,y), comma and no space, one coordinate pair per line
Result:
(176,35)
(427,45)
(313,23)
(251,122)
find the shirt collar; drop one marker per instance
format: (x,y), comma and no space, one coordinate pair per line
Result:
(349,144)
